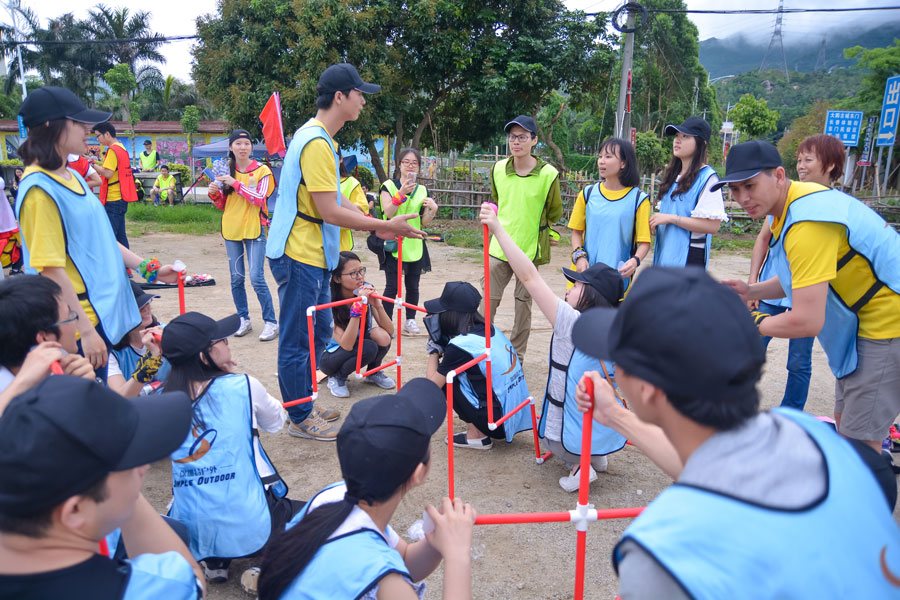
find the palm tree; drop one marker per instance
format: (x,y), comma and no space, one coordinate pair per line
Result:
(120,24)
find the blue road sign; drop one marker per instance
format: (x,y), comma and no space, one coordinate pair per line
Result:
(890,110)
(844,125)
(23,133)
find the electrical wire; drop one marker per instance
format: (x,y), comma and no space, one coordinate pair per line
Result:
(765,11)
(152,40)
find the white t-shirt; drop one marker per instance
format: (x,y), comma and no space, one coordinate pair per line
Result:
(710,205)
(358,518)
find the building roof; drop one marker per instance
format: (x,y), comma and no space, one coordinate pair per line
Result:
(144,127)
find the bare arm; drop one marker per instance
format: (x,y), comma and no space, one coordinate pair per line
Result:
(524,269)
(695,224)
(431,371)
(93,180)
(806,317)
(388,208)
(421,558)
(760,246)
(92,344)
(342,216)
(578,242)
(764,290)
(145,532)
(108,173)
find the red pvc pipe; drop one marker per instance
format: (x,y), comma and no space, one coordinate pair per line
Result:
(55,368)
(362,334)
(392,300)
(450,441)
(312,353)
(507,416)
(470,364)
(104,548)
(518,518)
(581,537)
(546,455)
(534,430)
(486,237)
(379,368)
(335,303)
(399,309)
(296,402)
(181,292)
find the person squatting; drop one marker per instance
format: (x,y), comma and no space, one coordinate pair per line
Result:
(94,388)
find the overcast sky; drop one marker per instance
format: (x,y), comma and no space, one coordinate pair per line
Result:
(178,17)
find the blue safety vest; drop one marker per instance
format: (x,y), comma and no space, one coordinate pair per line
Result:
(868,236)
(717,546)
(673,242)
(609,226)
(92,246)
(507,378)
(347,566)
(286,207)
(767,271)
(128,359)
(153,576)
(604,440)
(219,494)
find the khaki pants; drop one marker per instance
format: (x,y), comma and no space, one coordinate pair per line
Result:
(501,273)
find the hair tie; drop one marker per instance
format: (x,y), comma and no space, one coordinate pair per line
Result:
(348,497)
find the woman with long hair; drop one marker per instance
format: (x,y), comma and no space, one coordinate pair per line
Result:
(689,213)
(65,230)
(226,490)
(341,545)
(598,285)
(405,196)
(820,159)
(339,359)
(136,364)
(242,195)
(610,221)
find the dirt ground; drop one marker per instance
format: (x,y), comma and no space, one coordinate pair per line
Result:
(520,561)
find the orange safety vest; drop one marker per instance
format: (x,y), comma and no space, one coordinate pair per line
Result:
(126,177)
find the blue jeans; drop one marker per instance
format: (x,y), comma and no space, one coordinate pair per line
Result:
(799,363)
(299,287)
(256,259)
(115,211)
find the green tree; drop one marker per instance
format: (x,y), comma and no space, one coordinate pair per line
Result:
(190,124)
(122,81)
(811,123)
(107,23)
(752,117)
(880,63)
(651,152)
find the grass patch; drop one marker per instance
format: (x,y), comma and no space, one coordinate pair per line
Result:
(192,219)
(730,242)
(466,233)
(473,256)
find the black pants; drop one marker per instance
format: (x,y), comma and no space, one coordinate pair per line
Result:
(342,362)
(696,257)
(478,416)
(411,274)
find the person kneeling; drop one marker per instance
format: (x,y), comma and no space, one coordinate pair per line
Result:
(342,546)
(339,359)
(456,336)
(226,490)
(138,355)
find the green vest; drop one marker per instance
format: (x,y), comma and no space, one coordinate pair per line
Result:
(163,183)
(347,186)
(148,163)
(412,248)
(522,204)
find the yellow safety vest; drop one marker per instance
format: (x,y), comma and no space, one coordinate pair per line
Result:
(522,210)
(148,162)
(165,182)
(348,185)
(240,220)
(412,248)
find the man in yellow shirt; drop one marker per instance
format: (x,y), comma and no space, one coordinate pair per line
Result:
(118,187)
(303,241)
(163,187)
(839,263)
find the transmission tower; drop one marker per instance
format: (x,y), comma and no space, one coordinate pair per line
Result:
(776,38)
(820,60)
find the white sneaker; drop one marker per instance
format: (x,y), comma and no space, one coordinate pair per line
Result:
(570,482)
(338,387)
(269,332)
(411,327)
(245,328)
(215,575)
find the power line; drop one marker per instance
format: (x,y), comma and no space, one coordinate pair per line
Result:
(765,11)
(151,40)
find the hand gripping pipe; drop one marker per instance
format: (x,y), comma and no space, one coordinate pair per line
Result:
(486,240)
(398,305)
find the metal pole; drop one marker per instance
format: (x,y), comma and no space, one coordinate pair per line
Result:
(623,118)
(875,185)
(887,170)
(12,6)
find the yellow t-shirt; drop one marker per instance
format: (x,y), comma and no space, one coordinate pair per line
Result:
(358,198)
(41,226)
(304,244)
(813,249)
(641,217)
(110,161)
(163,183)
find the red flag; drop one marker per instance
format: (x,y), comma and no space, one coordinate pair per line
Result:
(273,132)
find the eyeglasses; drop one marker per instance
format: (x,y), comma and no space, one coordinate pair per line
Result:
(410,163)
(361,272)
(73,316)
(520,138)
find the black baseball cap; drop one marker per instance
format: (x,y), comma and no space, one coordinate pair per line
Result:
(384,438)
(49,103)
(681,331)
(67,433)
(694,126)
(341,77)
(141,296)
(238,134)
(747,160)
(523,121)
(191,333)
(460,296)
(603,278)
(148,143)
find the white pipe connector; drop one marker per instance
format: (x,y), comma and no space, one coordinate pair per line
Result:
(398,302)
(492,426)
(359,375)
(583,514)
(314,396)
(310,310)
(487,355)
(399,360)
(450,377)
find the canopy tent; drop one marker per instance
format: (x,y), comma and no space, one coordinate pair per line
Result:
(220,150)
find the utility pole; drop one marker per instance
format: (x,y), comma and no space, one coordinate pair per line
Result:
(13,5)
(623,114)
(696,93)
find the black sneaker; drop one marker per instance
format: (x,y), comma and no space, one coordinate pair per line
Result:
(461,441)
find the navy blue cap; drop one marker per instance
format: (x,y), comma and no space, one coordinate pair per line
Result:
(459,296)
(694,126)
(342,77)
(49,103)
(603,278)
(523,121)
(747,160)
(189,334)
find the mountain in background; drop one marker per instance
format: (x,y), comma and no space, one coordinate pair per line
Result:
(736,54)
